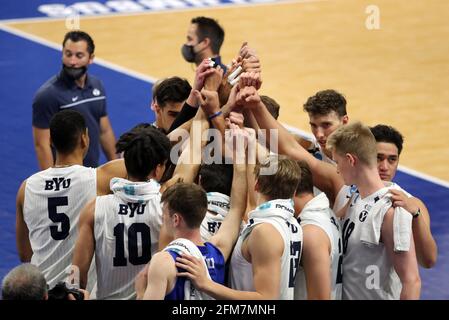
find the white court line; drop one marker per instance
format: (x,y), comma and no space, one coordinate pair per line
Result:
(98,61)
(401,168)
(152,80)
(160,11)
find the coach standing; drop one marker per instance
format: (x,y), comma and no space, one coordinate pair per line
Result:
(73,88)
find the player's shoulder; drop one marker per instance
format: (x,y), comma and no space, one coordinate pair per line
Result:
(163,260)
(265,235)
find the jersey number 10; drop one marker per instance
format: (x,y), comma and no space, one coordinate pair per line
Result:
(133,248)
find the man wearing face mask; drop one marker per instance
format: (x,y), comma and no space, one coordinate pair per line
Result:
(204,39)
(75,89)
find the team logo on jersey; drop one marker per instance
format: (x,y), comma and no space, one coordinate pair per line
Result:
(363,215)
(96,92)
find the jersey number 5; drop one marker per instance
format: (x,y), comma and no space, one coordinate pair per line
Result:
(53,204)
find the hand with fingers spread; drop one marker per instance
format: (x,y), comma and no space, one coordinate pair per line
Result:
(400,199)
(195,270)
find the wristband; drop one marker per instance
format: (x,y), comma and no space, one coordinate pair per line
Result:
(416,214)
(216,114)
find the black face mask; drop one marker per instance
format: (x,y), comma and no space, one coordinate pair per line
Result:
(74,73)
(188,53)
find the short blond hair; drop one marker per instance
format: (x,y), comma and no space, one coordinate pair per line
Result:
(356,139)
(282,184)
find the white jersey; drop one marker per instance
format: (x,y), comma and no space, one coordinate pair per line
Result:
(346,193)
(53,201)
(280,214)
(126,236)
(218,206)
(368,273)
(317,212)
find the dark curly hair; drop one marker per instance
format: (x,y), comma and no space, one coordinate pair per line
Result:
(326,101)
(144,148)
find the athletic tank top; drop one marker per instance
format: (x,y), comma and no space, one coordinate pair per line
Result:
(368,273)
(279,213)
(53,201)
(317,212)
(126,236)
(215,264)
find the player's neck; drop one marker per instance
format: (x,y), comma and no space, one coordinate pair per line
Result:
(301,201)
(193,235)
(260,198)
(68,160)
(368,181)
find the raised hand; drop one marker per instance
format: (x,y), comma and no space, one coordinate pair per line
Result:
(250,60)
(213,79)
(248,97)
(250,79)
(236,118)
(208,101)
(201,73)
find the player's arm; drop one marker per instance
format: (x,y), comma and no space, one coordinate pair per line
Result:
(161,276)
(107,138)
(22,233)
(404,263)
(226,236)
(107,171)
(325,176)
(426,247)
(189,161)
(42,147)
(266,248)
(317,263)
(85,244)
